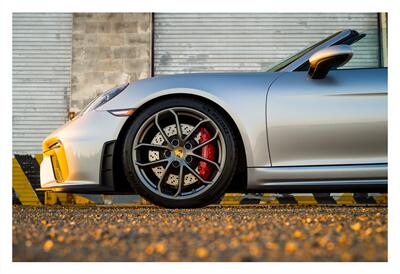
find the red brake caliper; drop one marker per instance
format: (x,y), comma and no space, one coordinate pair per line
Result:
(208,152)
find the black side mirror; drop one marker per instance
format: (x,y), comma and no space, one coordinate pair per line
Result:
(325,59)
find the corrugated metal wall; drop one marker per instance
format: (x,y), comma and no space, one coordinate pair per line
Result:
(42,48)
(186,42)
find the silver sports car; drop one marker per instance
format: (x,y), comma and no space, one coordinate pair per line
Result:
(185,140)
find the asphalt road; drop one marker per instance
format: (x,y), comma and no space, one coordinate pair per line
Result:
(216,233)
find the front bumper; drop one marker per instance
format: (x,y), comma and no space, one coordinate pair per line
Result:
(73,153)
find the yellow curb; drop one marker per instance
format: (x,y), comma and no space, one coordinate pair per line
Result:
(345,199)
(269,198)
(381,199)
(305,200)
(22,186)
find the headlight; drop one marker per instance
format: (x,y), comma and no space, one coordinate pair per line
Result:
(104,98)
(108,95)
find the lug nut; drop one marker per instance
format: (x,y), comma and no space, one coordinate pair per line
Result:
(188,146)
(175,164)
(167,153)
(175,142)
(188,159)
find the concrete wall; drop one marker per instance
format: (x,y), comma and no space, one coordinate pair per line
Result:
(108,49)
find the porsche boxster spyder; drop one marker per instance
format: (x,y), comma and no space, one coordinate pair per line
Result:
(184,140)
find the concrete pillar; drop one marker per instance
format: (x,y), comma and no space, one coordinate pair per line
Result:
(383,22)
(108,49)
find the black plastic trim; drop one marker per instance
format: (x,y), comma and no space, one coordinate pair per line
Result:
(106,176)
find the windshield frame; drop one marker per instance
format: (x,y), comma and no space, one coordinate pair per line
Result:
(299,61)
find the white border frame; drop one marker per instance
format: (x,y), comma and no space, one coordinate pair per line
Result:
(6,9)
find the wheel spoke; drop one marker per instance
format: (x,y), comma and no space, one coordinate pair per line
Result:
(162,131)
(195,128)
(151,163)
(180,182)
(163,176)
(206,160)
(197,175)
(150,146)
(206,142)
(178,125)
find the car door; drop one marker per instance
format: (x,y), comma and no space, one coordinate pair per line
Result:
(338,120)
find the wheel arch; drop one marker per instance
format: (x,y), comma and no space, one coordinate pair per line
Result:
(239,184)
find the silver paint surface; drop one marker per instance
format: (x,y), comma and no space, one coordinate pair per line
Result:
(294,129)
(345,174)
(339,120)
(241,95)
(83,139)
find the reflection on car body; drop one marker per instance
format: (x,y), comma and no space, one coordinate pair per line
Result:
(184,140)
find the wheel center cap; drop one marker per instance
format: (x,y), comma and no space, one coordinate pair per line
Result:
(179,152)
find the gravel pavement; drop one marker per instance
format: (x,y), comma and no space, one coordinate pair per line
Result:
(215,233)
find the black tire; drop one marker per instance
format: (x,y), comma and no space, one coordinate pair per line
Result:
(217,189)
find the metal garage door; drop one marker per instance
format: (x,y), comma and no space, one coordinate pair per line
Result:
(41,77)
(251,42)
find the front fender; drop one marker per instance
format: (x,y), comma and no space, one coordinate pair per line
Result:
(242,96)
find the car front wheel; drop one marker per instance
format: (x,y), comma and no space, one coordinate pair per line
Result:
(180,153)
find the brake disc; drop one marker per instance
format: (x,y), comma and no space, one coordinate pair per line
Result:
(155,155)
